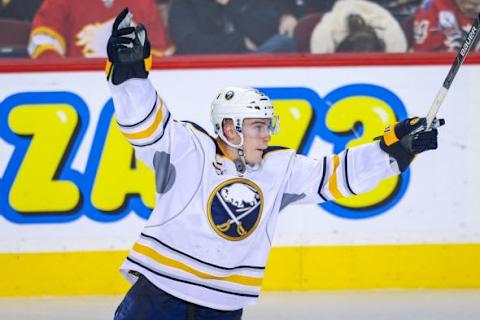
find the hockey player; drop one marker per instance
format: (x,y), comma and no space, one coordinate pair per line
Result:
(202,252)
(442,25)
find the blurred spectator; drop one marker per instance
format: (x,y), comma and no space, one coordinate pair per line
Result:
(294,10)
(163,6)
(303,31)
(19,9)
(441,25)
(352,21)
(404,11)
(13,44)
(68,28)
(299,17)
(300,8)
(227,26)
(361,37)
(15,21)
(400,9)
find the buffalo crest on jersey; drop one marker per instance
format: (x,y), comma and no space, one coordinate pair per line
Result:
(234,208)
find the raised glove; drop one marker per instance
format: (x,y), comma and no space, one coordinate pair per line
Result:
(407,138)
(128,50)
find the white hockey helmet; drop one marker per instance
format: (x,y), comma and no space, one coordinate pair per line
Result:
(239,103)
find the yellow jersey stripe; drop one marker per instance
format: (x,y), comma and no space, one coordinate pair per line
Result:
(332,182)
(162,53)
(44,47)
(150,130)
(156,53)
(54,34)
(238,279)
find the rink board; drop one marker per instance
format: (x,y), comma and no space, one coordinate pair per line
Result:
(289,268)
(68,236)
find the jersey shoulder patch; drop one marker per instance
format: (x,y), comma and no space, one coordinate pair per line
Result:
(197,127)
(271,149)
(201,130)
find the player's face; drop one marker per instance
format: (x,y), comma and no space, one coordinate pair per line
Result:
(256,135)
(469,7)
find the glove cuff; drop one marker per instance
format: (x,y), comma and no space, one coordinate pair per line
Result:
(398,152)
(390,136)
(119,73)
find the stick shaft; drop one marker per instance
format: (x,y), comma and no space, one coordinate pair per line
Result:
(459,59)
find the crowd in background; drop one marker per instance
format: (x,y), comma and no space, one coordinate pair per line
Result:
(44,29)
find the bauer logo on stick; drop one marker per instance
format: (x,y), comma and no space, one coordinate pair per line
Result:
(469,40)
(234,208)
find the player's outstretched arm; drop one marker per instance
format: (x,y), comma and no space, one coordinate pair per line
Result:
(360,169)
(407,138)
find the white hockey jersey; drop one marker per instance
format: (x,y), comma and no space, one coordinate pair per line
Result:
(209,235)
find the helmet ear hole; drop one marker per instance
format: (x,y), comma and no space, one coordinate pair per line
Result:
(225,123)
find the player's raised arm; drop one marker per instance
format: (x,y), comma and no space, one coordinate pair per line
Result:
(128,50)
(127,68)
(141,114)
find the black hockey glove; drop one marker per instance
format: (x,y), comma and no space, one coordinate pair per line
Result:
(128,50)
(407,138)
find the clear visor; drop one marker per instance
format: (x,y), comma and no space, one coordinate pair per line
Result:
(263,125)
(272,126)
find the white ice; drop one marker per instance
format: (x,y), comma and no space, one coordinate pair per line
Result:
(419,304)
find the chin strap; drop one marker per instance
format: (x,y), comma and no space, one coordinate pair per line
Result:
(240,163)
(236,146)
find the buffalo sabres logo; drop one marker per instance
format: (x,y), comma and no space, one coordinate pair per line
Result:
(234,208)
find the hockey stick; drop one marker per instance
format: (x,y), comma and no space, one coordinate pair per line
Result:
(462,54)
